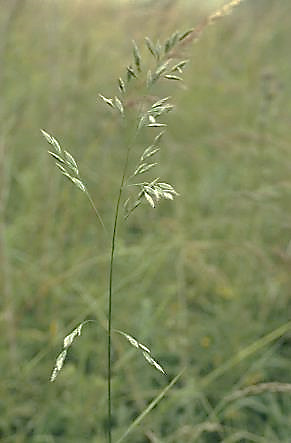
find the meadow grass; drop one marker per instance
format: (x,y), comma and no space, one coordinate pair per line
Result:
(204,281)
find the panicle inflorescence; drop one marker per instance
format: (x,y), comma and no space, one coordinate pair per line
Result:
(150,116)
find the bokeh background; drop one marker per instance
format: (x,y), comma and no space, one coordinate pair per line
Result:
(204,281)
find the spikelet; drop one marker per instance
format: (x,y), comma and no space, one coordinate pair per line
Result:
(68,340)
(65,162)
(144,349)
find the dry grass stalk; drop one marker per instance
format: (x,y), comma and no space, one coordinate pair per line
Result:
(195,34)
(260,389)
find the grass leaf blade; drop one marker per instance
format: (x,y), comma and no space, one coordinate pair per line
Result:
(148,409)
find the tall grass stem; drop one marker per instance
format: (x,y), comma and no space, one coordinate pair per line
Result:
(114,232)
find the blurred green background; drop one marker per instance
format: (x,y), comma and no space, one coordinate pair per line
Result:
(204,281)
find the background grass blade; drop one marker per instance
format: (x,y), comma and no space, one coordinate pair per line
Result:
(148,409)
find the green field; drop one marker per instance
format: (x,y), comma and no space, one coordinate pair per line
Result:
(204,280)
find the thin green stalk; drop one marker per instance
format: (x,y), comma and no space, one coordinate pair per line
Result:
(96,211)
(109,400)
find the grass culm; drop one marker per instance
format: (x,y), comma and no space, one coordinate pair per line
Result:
(141,107)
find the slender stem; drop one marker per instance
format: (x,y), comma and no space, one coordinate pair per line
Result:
(96,211)
(110,297)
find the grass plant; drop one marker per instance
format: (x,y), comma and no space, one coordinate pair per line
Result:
(150,108)
(202,281)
